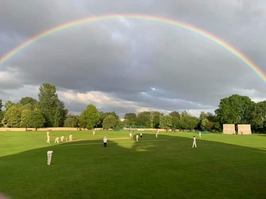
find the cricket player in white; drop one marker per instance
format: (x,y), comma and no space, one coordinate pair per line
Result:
(48,139)
(62,138)
(157,134)
(140,135)
(56,140)
(130,135)
(105,141)
(137,138)
(49,157)
(200,134)
(70,137)
(194,142)
(93,133)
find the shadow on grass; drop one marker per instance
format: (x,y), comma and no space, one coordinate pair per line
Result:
(166,167)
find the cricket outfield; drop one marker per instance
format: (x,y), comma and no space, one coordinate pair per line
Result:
(222,166)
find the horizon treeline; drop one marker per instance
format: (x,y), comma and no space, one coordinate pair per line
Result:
(49,111)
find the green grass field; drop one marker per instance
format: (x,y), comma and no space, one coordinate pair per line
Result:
(223,166)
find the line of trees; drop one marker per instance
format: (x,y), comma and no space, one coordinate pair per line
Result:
(235,109)
(155,119)
(49,111)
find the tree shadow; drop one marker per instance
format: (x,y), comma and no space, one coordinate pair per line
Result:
(163,167)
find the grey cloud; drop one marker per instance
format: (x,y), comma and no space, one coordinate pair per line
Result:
(126,58)
(15,95)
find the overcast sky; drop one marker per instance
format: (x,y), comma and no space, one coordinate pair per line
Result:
(131,65)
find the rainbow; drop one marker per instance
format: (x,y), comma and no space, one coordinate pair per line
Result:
(179,24)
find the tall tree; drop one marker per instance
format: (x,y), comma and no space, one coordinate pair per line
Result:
(109,122)
(156,116)
(25,118)
(145,119)
(235,109)
(258,117)
(203,121)
(175,119)
(83,119)
(12,117)
(32,119)
(166,122)
(90,117)
(131,118)
(57,117)
(48,102)
(203,124)
(51,107)
(60,114)
(37,120)
(175,123)
(106,114)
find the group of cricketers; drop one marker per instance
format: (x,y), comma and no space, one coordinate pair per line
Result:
(62,138)
(157,134)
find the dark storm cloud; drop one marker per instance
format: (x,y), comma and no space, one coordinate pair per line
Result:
(148,64)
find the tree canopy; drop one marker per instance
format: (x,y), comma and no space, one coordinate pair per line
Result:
(103,115)
(131,118)
(175,114)
(27,100)
(32,119)
(12,117)
(235,109)
(155,117)
(71,121)
(166,122)
(90,117)
(8,104)
(109,122)
(145,119)
(51,107)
